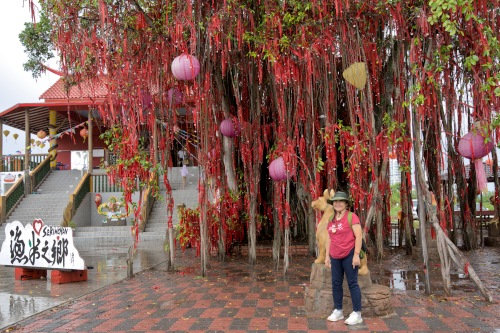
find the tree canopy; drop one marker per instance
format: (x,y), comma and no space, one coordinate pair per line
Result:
(282,71)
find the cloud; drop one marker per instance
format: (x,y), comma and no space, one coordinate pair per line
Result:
(16,85)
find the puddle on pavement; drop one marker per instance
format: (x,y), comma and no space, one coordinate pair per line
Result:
(410,280)
(21,299)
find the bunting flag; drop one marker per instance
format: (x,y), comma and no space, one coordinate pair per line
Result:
(57,136)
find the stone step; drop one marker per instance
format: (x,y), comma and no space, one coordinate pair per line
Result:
(110,241)
(51,200)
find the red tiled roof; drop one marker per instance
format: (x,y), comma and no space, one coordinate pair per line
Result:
(85,90)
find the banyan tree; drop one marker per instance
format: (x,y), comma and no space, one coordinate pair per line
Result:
(330,87)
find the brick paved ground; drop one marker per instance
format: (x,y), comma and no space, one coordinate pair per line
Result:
(237,297)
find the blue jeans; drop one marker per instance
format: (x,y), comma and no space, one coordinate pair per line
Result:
(339,267)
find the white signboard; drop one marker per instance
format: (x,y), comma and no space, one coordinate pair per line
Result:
(98,152)
(37,245)
(8,179)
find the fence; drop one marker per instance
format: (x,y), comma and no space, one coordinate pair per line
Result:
(15,163)
(397,238)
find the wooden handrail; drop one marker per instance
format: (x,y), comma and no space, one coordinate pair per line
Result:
(148,201)
(75,199)
(11,199)
(39,173)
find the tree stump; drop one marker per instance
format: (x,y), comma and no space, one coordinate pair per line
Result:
(493,238)
(375,298)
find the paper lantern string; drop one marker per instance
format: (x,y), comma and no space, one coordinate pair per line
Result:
(188,138)
(58,135)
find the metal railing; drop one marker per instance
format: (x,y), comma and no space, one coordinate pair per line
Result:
(81,191)
(88,183)
(39,173)
(76,198)
(101,183)
(40,164)
(147,204)
(11,198)
(15,163)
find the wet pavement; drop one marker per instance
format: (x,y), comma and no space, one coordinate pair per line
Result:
(238,297)
(106,265)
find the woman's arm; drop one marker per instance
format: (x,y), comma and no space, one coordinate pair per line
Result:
(358,234)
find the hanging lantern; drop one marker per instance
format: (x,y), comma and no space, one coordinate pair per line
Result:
(42,145)
(97,200)
(356,74)
(32,141)
(15,135)
(41,134)
(277,170)
(84,133)
(185,67)
(6,132)
(175,96)
(473,147)
(229,128)
(37,143)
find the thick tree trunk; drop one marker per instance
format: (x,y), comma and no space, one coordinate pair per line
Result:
(228,144)
(204,236)
(171,249)
(252,232)
(286,259)
(380,235)
(276,241)
(406,214)
(311,225)
(221,244)
(444,251)
(458,258)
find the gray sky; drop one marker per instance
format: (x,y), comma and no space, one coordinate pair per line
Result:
(16,85)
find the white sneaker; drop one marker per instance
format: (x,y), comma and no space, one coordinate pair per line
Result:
(336,315)
(354,318)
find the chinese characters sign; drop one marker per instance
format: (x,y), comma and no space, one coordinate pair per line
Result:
(40,246)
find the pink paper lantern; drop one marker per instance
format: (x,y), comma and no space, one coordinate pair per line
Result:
(185,67)
(277,170)
(472,146)
(175,96)
(229,128)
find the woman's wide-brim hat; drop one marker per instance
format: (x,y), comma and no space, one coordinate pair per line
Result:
(340,196)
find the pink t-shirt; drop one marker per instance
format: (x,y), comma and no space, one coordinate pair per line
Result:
(342,241)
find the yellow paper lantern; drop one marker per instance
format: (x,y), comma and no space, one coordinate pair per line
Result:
(15,135)
(6,132)
(356,74)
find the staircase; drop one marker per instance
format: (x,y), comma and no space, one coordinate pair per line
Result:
(53,196)
(48,202)
(157,223)
(155,230)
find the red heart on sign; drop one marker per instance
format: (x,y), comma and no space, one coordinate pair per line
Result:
(37,226)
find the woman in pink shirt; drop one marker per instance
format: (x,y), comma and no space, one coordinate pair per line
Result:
(345,244)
